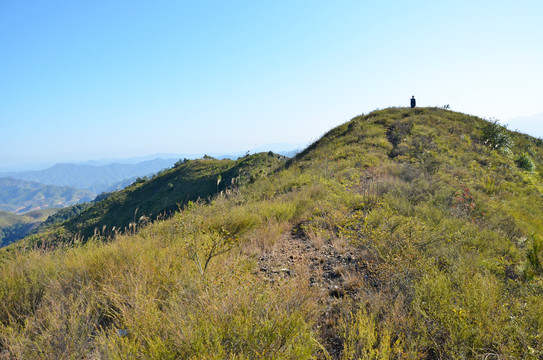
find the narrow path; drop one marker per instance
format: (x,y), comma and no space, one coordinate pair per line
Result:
(331,267)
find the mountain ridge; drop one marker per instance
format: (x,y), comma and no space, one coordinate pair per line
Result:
(400,234)
(160,196)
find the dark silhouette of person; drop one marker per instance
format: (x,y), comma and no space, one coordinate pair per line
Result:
(413,102)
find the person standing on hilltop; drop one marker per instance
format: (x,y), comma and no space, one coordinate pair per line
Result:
(413,102)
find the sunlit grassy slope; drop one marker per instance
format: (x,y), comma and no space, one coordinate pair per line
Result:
(402,234)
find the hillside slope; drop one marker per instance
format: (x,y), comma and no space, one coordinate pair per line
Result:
(402,234)
(14,227)
(165,193)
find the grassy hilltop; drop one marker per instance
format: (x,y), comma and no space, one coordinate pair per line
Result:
(401,234)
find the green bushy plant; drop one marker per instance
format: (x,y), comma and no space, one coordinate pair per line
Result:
(535,255)
(525,162)
(496,137)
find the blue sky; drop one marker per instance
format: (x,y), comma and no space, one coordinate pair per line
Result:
(109,79)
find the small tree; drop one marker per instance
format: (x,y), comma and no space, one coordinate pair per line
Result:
(204,245)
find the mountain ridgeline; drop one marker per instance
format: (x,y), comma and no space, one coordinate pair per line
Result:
(401,234)
(163,194)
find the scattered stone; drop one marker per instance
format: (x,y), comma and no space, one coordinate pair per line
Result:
(336,292)
(332,274)
(282,270)
(324,267)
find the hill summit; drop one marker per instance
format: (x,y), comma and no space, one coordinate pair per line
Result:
(401,234)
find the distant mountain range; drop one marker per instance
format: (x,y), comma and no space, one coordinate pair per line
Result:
(285,149)
(20,196)
(97,179)
(163,194)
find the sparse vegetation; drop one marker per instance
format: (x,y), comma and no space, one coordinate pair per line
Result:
(356,248)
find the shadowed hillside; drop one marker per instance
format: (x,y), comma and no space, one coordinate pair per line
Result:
(401,234)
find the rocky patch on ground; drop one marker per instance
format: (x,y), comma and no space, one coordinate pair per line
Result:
(331,267)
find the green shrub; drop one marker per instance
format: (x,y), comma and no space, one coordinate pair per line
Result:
(535,255)
(496,136)
(525,162)
(363,338)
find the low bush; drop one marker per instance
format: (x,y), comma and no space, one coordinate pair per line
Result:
(496,136)
(525,162)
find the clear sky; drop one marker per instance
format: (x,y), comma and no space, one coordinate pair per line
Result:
(82,80)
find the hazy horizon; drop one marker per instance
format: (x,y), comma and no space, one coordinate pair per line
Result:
(530,125)
(30,166)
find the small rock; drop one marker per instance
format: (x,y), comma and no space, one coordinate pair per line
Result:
(336,292)
(282,270)
(332,274)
